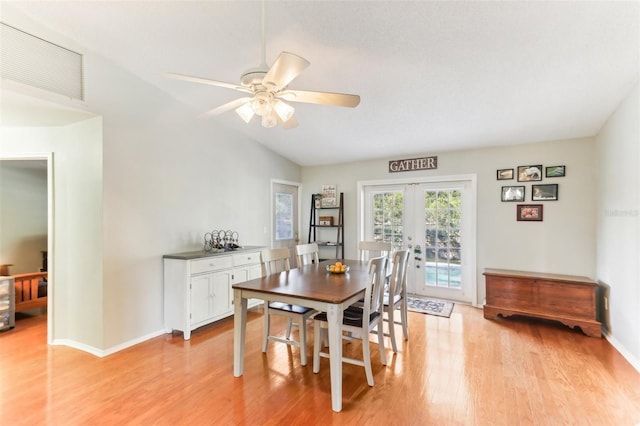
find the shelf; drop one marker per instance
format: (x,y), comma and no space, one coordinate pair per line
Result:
(332,235)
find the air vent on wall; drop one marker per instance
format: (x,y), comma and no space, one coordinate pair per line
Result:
(30,60)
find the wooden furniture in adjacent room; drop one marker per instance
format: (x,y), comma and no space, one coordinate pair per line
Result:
(197,286)
(31,291)
(568,299)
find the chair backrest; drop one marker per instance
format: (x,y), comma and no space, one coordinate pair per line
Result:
(307,254)
(370,249)
(275,260)
(374,293)
(398,278)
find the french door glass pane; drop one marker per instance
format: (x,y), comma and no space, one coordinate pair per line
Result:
(284,216)
(388,217)
(442,238)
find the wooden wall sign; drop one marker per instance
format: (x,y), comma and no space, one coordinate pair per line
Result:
(423,163)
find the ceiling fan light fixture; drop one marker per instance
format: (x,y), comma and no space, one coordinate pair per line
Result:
(245,111)
(269,120)
(284,111)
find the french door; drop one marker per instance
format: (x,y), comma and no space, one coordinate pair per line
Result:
(436,222)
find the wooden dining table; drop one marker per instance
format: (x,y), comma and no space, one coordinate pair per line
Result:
(310,286)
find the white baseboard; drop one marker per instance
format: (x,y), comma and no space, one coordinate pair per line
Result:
(635,363)
(105,352)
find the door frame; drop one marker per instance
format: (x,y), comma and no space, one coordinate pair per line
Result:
(48,157)
(471,223)
(272,230)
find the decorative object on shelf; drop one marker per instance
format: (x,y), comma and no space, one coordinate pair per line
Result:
(505,174)
(544,192)
(218,241)
(329,196)
(554,171)
(529,212)
(529,173)
(317,199)
(326,220)
(512,193)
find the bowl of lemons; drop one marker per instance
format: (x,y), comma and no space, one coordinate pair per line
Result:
(337,268)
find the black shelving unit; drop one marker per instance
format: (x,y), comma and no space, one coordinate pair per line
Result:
(316,230)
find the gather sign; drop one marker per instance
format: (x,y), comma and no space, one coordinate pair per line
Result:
(410,164)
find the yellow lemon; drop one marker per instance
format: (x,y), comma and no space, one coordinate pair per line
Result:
(332,268)
(338,264)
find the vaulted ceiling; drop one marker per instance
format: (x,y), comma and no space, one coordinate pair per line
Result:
(432,76)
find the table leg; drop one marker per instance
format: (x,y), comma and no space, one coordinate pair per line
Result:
(239,328)
(334,320)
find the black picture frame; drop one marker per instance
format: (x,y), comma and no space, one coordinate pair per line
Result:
(504,174)
(530,173)
(546,192)
(512,193)
(555,171)
(529,212)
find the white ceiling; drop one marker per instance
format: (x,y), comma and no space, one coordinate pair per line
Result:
(433,76)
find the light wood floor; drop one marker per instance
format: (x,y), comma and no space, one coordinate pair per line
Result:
(464,370)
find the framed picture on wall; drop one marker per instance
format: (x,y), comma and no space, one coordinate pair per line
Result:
(529,212)
(512,193)
(544,192)
(505,174)
(554,171)
(529,173)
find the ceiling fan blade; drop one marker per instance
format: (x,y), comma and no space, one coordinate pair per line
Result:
(289,124)
(324,98)
(226,107)
(286,68)
(206,81)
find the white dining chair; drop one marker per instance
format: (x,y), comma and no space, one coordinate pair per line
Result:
(306,254)
(275,261)
(370,249)
(358,322)
(396,297)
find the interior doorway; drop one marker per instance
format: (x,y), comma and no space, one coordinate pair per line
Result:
(41,259)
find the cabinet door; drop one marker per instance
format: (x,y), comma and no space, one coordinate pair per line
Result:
(209,295)
(243,274)
(201,298)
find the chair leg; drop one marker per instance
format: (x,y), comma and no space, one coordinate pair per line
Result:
(289,325)
(405,323)
(317,338)
(302,328)
(265,336)
(366,358)
(392,328)
(383,353)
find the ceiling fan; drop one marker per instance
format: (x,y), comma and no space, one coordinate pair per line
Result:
(268,89)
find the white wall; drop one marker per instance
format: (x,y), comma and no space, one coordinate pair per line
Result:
(563,243)
(163,179)
(618,217)
(23,216)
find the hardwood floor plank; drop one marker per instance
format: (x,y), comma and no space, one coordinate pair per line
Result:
(464,370)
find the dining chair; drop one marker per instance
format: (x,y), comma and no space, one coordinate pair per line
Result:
(358,322)
(307,254)
(370,249)
(275,261)
(396,297)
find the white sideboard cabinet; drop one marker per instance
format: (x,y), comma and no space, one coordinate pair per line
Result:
(197,286)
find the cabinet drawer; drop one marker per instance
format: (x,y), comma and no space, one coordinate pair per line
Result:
(4,289)
(210,264)
(246,259)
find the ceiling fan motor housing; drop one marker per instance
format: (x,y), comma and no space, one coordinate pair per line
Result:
(253,76)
